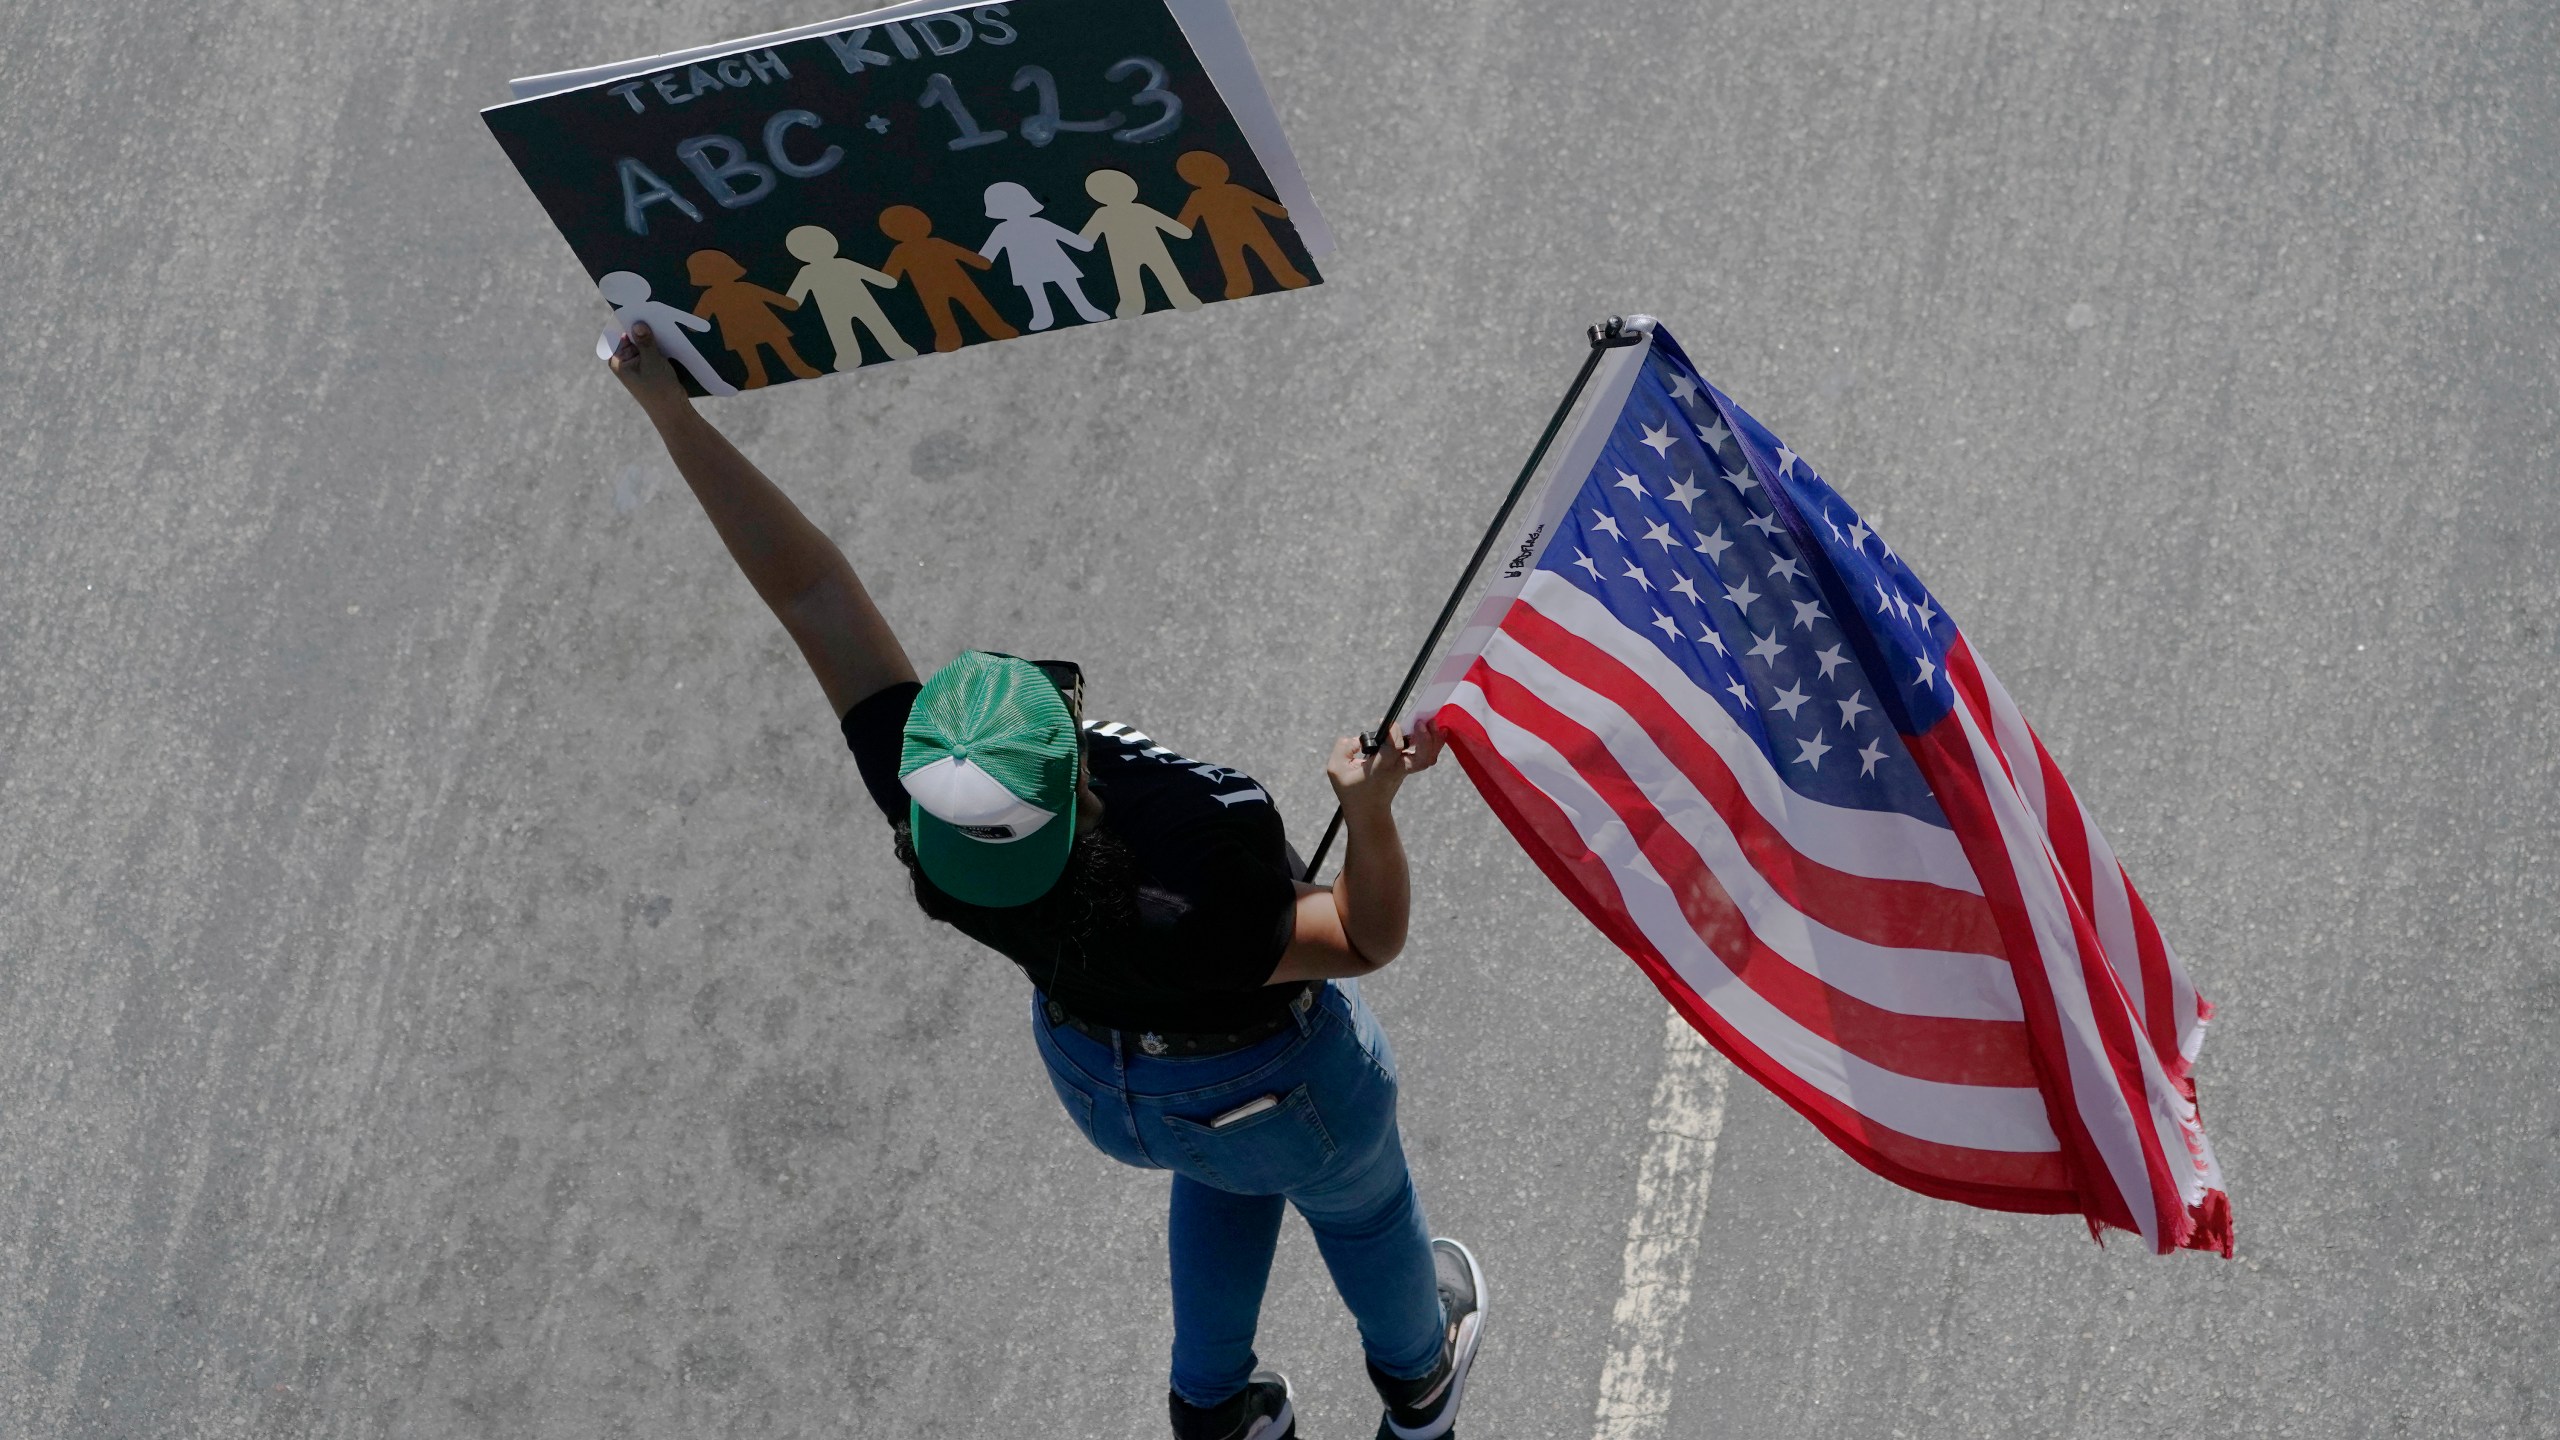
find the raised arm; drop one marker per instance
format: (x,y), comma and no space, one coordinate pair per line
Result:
(798,571)
(1357,925)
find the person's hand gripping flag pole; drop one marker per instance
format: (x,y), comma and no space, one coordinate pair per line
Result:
(1739,734)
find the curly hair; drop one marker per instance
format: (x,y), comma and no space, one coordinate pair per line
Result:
(1094,902)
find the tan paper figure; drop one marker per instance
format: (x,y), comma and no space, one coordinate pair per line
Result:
(745,312)
(935,267)
(1036,252)
(842,289)
(1233,217)
(628,294)
(1135,235)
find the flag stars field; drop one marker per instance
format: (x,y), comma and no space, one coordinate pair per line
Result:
(1688,564)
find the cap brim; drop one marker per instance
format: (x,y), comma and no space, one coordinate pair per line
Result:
(993,876)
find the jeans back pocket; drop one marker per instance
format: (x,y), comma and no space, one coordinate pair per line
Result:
(1079,1108)
(1268,1153)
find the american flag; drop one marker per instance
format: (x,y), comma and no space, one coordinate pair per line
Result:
(1729,722)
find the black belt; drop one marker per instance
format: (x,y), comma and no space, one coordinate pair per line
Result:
(1165,1042)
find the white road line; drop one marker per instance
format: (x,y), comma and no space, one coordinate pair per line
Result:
(1662,1238)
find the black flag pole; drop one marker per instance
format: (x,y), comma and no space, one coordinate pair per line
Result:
(1611,334)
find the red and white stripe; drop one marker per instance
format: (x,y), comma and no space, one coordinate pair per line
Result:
(1854,962)
(2093,956)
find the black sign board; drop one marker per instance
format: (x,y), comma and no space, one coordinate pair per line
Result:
(915,184)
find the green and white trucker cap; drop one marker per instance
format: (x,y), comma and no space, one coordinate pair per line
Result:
(990,771)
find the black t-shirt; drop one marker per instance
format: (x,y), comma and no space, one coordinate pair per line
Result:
(1215,902)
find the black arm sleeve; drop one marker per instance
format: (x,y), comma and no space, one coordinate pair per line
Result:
(875,731)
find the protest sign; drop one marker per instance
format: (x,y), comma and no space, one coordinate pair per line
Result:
(921,177)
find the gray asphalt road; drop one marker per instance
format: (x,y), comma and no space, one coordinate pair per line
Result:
(457,989)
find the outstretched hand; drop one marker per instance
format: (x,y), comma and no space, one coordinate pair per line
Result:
(1366,784)
(646,372)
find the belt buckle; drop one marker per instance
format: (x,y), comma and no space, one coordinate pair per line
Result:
(1152,1043)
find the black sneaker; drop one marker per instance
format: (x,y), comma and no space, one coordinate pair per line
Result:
(1427,1409)
(1260,1411)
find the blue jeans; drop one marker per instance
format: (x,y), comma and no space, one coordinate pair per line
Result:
(1329,1147)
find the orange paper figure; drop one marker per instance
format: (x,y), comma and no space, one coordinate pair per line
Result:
(842,289)
(745,312)
(1233,217)
(936,268)
(1036,251)
(1135,234)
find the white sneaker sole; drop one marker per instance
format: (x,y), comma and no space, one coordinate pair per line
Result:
(1463,1356)
(1272,1427)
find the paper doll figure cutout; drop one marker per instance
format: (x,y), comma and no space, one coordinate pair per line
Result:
(745,312)
(628,294)
(1135,234)
(842,289)
(1233,217)
(935,267)
(1032,247)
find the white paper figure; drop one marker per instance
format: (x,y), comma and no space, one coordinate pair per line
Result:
(1135,234)
(1032,250)
(628,294)
(842,289)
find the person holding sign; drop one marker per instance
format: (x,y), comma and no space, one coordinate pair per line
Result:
(1185,999)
